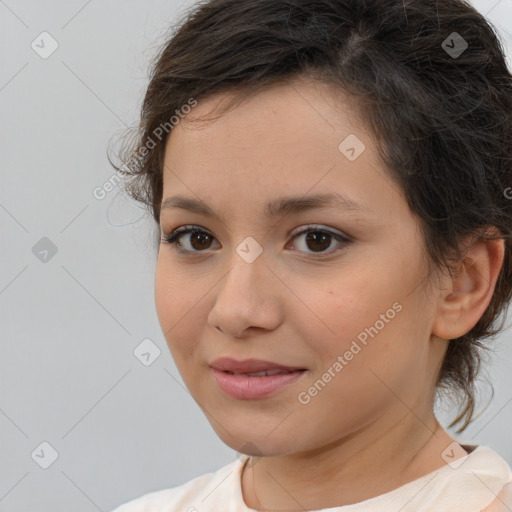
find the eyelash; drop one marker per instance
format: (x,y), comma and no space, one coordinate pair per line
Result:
(173,238)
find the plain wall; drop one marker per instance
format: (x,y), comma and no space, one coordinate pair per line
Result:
(73,316)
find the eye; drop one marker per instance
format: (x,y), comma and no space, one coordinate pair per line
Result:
(317,239)
(199,239)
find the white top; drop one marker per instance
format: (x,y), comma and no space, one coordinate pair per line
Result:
(468,485)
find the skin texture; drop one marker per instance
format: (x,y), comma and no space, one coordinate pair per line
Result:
(372,427)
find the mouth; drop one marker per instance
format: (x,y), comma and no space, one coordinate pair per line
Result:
(256,385)
(264,373)
(251,367)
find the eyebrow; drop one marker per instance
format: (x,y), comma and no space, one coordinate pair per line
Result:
(276,208)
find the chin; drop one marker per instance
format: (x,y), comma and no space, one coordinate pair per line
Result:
(255,444)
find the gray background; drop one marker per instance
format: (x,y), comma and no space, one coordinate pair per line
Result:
(70,324)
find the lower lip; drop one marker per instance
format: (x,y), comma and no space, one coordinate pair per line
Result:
(247,388)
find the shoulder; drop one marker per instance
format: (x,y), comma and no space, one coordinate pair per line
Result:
(192,495)
(471,481)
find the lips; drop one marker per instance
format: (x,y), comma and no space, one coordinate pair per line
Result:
(254,379)
(252,367)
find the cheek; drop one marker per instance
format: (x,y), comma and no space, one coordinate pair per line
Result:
(364,319)
(178,310)
(337,311)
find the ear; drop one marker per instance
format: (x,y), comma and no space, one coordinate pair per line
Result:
(466,295)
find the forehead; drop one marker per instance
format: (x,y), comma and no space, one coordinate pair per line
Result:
(301,98)
(300,120)
(289,138)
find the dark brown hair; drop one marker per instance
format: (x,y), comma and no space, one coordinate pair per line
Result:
(442,121)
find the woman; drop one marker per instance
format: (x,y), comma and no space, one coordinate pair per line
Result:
(330,180)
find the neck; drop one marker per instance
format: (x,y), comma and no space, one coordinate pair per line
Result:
(360,466)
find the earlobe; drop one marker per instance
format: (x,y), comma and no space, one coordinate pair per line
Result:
(469,291)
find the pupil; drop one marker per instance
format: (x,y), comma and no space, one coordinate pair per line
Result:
(198,236)
(312,237)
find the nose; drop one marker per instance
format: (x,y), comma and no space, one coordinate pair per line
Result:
(247,298)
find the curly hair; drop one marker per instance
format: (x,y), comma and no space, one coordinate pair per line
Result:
(432,87)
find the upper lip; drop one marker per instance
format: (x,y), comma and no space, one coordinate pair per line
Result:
(248,365)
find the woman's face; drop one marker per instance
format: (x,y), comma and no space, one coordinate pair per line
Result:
(354,314)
